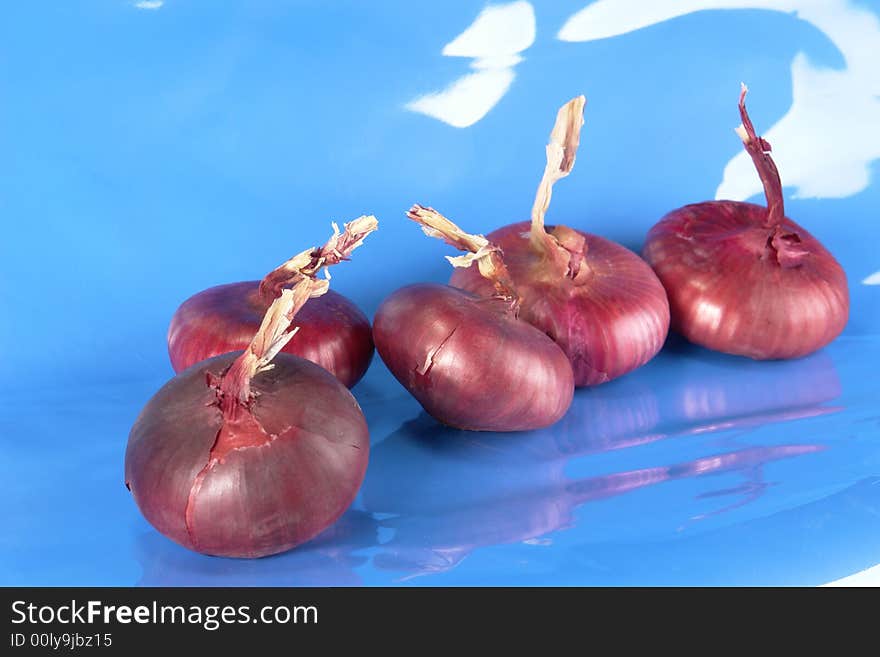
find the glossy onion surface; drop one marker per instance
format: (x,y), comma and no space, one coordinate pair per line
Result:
(469,362)
(334,333)
(270,481)
(738,286)
(611,318)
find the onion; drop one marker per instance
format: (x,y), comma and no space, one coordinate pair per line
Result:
(240,457)
(598,300)
(468,360)
(745,279)
(334,333)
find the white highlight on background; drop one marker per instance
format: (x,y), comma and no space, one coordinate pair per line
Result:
(873,279)
(149,4)
(494,40)
(869,577)
(826,142)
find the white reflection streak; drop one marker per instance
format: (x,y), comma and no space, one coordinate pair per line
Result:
(149,4)
(696,405)
(826,142)
(868,577)
(873,279)
(493,40)
(708,313)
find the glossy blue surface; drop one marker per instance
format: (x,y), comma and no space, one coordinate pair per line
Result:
(149,152)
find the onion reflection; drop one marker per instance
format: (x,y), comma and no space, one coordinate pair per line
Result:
(328,560)
(445,493)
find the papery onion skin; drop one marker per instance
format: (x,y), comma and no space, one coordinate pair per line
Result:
(334,333)
(738,286)
(609,319)
(259,499)
(745,279)
(599,301)
(469,362)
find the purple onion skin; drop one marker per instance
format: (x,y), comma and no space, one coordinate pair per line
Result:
(740,287)
(610,319)
(333,333)
(469,362)
(290,474)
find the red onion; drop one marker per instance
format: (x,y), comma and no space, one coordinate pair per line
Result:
(745,279)
(240,457)
(468,360)
(334,333)
(598,300)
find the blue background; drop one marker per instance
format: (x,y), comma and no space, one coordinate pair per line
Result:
(148,154)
